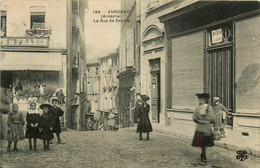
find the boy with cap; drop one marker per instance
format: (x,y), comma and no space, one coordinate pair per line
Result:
(219,110)
(57,112)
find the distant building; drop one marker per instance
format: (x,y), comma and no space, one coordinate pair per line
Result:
(43,42)
(109,82)
(129,60)
(93,86)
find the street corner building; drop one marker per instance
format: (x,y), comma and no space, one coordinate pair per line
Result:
(213,47)
(43,44)
(171,50)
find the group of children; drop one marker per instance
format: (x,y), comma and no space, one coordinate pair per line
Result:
(38,126)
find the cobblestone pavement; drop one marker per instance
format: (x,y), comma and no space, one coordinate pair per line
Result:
(119,149)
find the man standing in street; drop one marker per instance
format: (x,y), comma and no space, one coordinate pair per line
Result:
(56,113)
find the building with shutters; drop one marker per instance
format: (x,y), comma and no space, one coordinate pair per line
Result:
(213,47)
(43,42)
(109,66)
(129,60)
(93,86)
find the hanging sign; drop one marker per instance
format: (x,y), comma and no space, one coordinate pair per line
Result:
(216,36)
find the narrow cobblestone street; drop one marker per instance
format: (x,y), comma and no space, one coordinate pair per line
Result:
(119,149)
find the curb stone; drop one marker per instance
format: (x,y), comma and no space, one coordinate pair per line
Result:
(231,147)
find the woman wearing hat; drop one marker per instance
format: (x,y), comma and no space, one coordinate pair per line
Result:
(203,117)
(138,103)
(32,126)
(144,124)
(46,125)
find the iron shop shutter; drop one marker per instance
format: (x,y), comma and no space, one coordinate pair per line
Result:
(187,70)
(248,64)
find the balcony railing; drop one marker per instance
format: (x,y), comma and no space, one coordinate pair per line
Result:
(39,30)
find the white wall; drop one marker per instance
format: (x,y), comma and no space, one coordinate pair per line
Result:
(18,19)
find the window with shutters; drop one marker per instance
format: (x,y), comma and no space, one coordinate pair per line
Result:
(96,71)
(75,6)
(3,23)
(130,48)
(37,20)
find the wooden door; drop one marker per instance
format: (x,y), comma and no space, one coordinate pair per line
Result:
(219,77)
(155,99)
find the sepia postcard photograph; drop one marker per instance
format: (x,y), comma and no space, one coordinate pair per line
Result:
(129,84)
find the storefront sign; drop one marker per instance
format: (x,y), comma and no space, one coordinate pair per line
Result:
(24,42)
(216,36)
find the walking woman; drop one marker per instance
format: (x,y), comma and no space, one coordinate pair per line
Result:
(46,125)
(15,124)
(144,124)
(203,117)
(32,126)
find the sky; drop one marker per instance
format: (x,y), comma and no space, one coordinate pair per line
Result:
(101,38)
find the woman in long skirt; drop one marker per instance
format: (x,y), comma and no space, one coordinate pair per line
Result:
(32,120)
(203,117)
(144,124)
(15,124)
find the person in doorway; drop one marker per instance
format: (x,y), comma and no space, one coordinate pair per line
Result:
(56,112)
(203,117)
(144,124)
(138,103)
(15,125)
(46,125)
(32,127)
(220,112)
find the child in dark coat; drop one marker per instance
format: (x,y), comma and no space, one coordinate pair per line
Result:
(46,125)
(32,126)
(56,112)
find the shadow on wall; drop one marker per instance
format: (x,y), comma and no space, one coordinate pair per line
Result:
(249,79)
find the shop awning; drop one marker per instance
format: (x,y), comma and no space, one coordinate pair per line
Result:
(17,61)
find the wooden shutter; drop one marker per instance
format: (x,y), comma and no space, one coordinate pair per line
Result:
(187,69)
(130,47)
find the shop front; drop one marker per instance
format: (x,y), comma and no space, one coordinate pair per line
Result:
(28,75)
(213,48)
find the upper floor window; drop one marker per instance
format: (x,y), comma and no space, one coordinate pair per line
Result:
(3,23)
(37,20)
(75,6)
(96,71)
(88,71)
